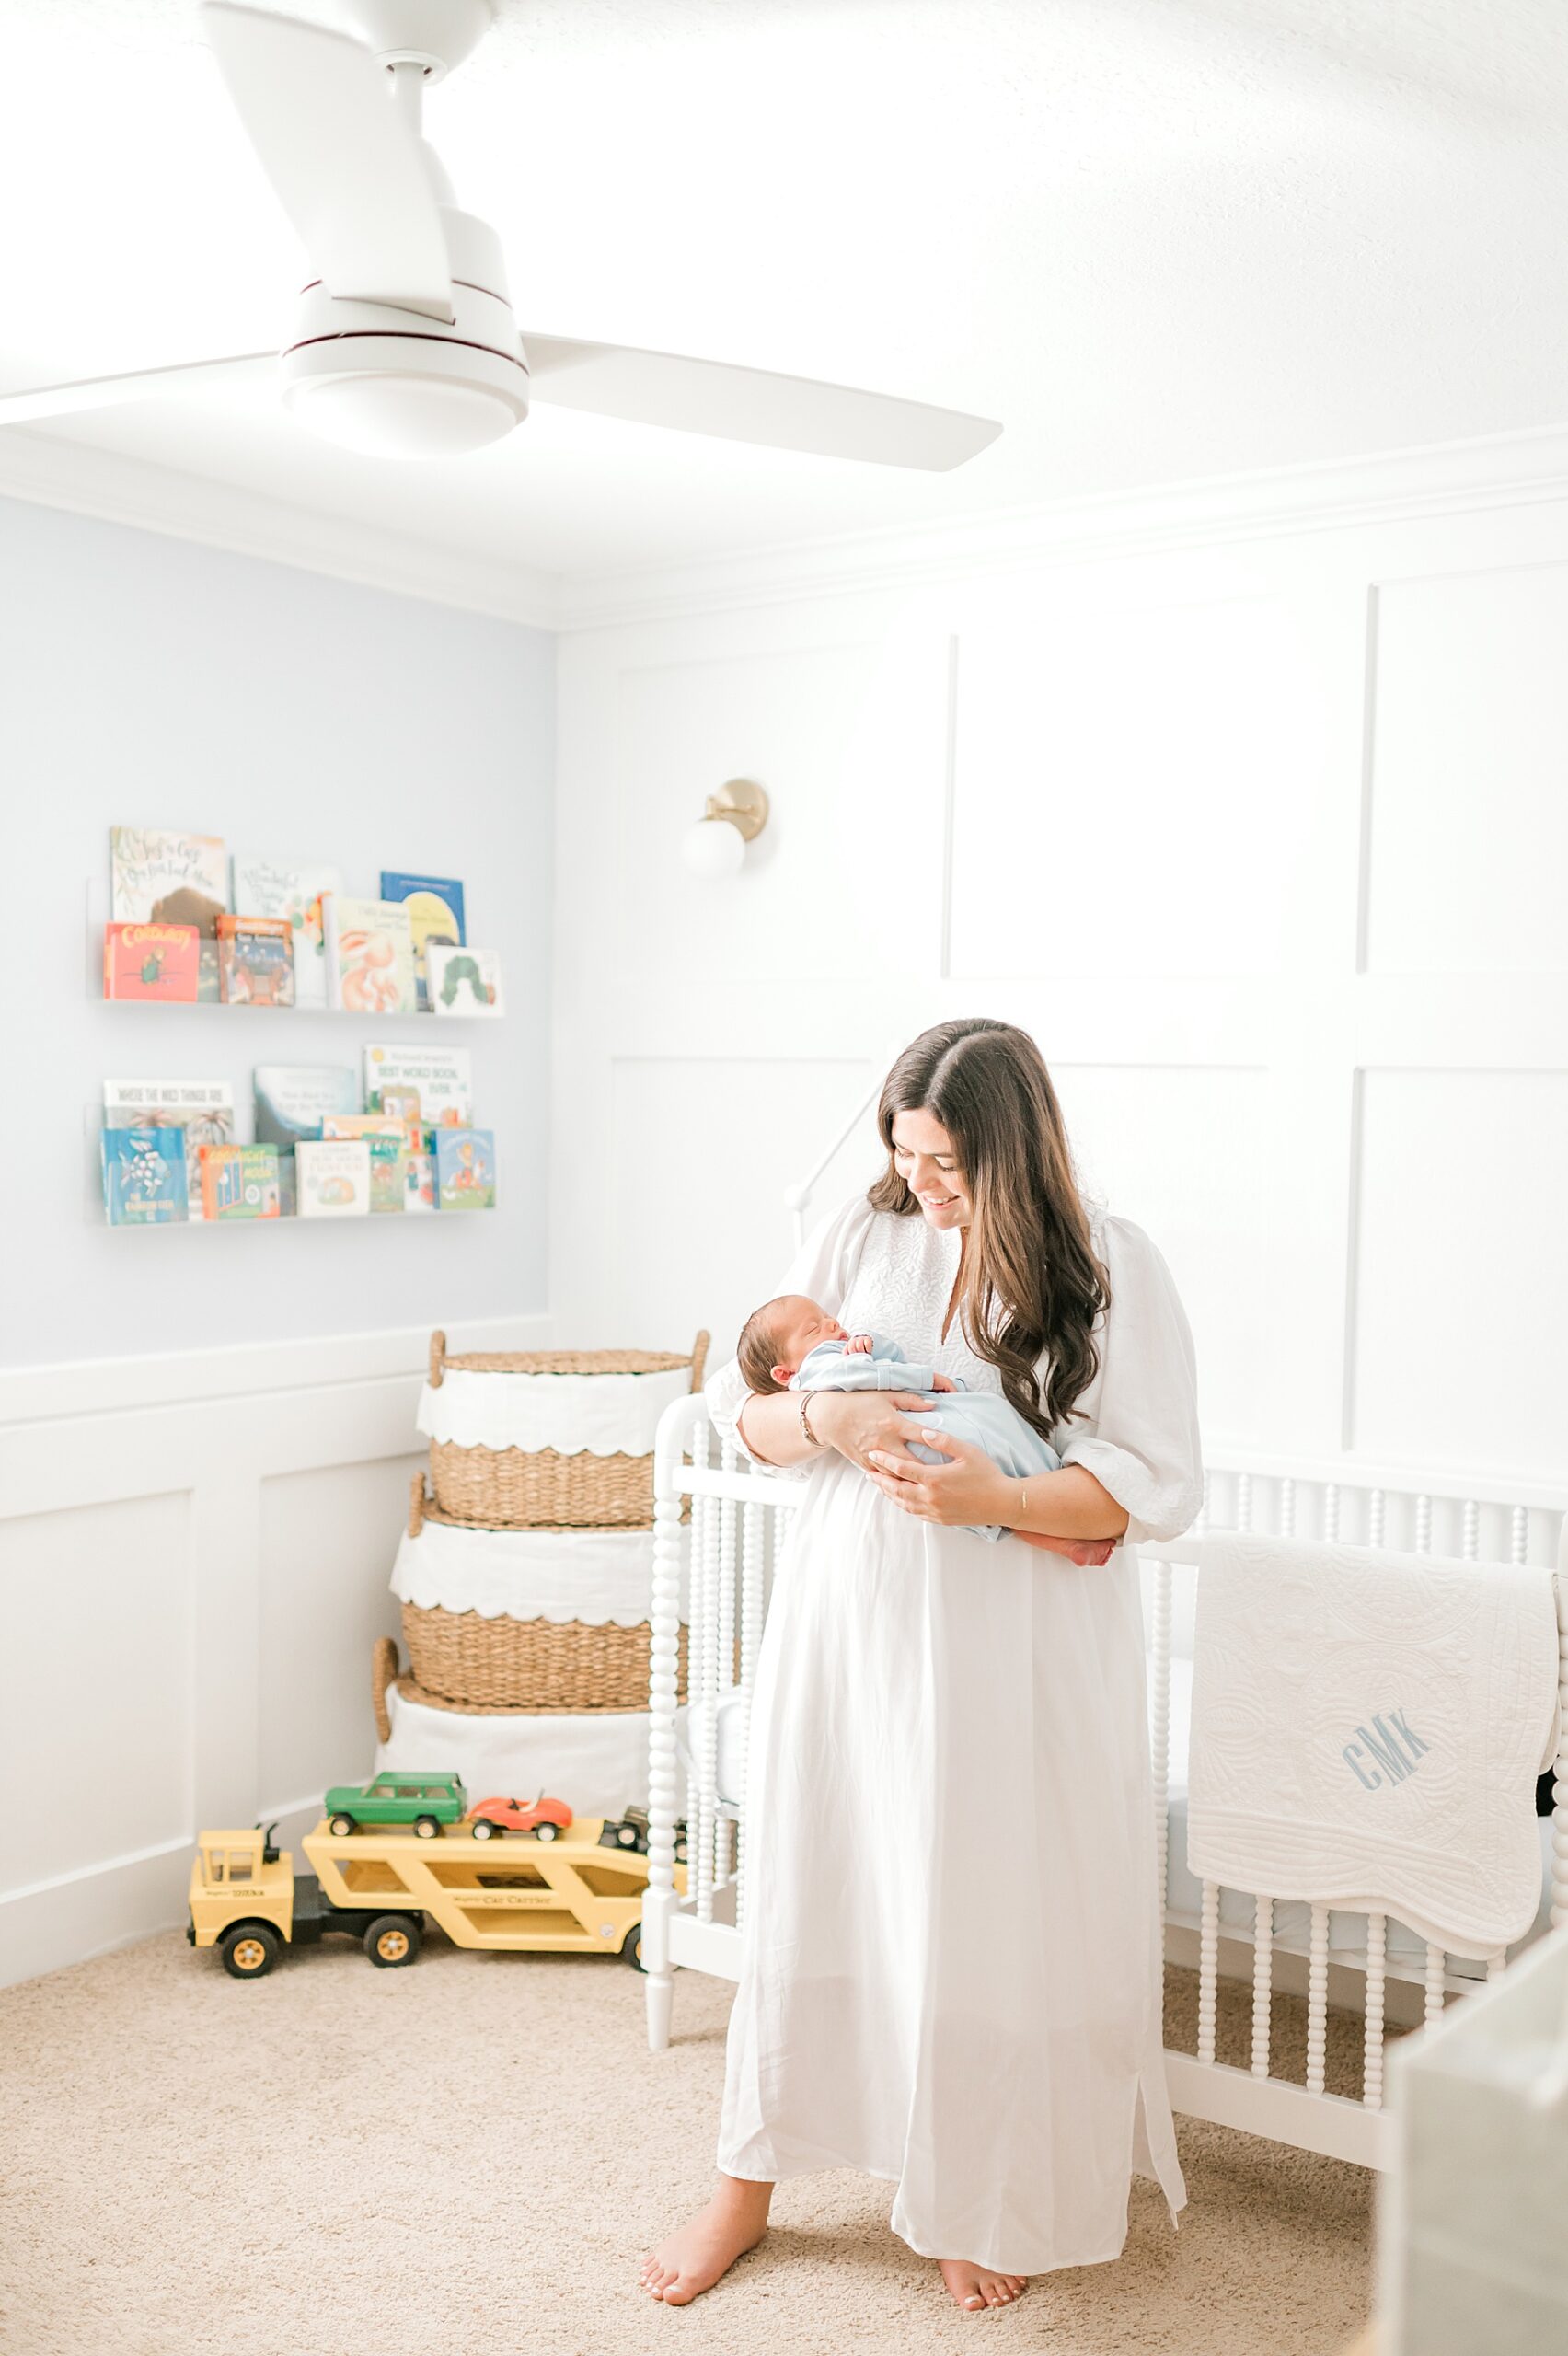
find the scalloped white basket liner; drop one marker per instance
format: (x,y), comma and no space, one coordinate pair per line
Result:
(596,1762)
(610,1415)
(599,1576)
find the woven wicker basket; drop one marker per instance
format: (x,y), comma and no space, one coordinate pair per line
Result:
(542,1666)
(516,1488)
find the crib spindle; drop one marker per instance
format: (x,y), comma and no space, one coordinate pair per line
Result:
(750,1637)
(704,1612)
(1436,1966)
(1331,1511)
(723,1825)
(1424,1525)
(1208,1971)
(1317,2000)
(1262,1974)
(1159,1725)
(1287,1506)
(1470,1530)
(1372,2051)
(1377,1509)
(1243,1501)
(1518,1534)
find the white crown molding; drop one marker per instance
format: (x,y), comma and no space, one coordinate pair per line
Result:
(1440,478)
(105,483)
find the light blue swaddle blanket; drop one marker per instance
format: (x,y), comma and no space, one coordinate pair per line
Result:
(985,1419)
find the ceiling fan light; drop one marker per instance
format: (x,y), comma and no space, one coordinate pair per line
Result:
(393,416)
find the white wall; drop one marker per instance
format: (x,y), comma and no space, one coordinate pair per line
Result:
(1260,831)
(206,1434)
(147,681)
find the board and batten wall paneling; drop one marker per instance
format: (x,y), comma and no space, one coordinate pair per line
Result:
(194,1563)
(1468,815)
(1203,818)
(1461,1334)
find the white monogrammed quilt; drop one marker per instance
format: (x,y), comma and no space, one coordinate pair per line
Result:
(1366,1731)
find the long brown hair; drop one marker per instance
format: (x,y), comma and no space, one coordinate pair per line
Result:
(1031,1281)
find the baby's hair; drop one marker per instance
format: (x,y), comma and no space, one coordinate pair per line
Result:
(757,1352)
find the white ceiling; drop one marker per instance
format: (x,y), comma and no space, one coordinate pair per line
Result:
(1160,240)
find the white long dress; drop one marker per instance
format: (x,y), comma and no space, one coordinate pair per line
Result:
(949,1970)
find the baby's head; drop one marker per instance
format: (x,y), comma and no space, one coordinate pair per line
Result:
(776,1336)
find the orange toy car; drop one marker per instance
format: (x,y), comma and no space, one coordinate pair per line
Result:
(546,1820)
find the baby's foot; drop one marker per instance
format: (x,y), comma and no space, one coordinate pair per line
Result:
(693,2257)
(974,2287)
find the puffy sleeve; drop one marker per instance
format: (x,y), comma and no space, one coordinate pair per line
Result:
(824,1269)
(1135,1427)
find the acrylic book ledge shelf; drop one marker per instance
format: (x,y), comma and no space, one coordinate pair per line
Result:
(97,901)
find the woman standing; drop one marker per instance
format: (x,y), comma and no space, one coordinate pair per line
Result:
(950,1968)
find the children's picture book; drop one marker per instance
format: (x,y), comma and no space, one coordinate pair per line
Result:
(435,913)
(441,1075)
(240,1181)
(292,1099)
(256,961)
(364,1125)
(144,1179)
(418,1181)
(465,981)
(370,955)
(157,877)
(403,1104)
(203,1109)
(465,1168)
(265,888)
(156,960)
(332,1177)
(209,979)
(389,1166)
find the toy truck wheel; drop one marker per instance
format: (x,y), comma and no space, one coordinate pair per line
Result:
(632,1946)
(341,1825)
(428,1827)
(249,1950)
(391,1941)
(546,1833)
(626,1836)
(484,1830)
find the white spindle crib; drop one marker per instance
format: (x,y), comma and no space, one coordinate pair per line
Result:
(737,1520)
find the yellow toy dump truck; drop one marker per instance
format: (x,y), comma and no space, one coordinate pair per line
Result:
(570,1896)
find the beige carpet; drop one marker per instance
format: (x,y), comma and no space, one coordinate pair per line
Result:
(471,2155)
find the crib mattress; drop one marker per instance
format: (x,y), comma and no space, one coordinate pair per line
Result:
(1183,1905)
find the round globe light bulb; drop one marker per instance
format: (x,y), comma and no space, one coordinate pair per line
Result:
(713,847)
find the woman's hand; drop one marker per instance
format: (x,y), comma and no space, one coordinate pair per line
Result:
(856,1421)
(967,1488)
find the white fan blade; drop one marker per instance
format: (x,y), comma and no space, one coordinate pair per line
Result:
(750,405)
(349,173)
(141,384)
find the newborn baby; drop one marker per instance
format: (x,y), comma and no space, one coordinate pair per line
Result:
(792,1343)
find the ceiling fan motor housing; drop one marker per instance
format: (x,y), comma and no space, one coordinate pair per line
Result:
(377,376)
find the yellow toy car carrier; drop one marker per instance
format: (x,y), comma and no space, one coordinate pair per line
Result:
(570,1896)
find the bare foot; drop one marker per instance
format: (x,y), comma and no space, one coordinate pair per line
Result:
(695,2255)
(974,2287)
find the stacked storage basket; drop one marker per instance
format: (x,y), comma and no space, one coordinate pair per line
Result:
(526,1572)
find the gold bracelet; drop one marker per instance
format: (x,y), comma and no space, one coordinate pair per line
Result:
(811,1435)
(1024,1501)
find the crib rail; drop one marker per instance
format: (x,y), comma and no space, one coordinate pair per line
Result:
(736,1517)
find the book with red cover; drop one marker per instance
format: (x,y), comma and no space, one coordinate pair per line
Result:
(159,961)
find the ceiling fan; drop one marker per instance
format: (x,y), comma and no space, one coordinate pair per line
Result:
(405,345)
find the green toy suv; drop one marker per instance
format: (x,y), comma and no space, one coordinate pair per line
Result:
(427,1802)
